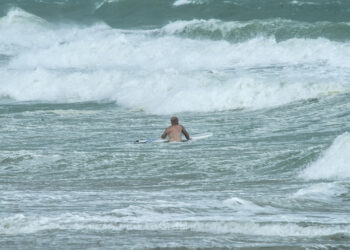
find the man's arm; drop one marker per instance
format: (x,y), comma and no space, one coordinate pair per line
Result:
(185,133)
(164,134)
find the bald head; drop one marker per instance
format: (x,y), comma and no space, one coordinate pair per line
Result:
(174,120)
(175,131)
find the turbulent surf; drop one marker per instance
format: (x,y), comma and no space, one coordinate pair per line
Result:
(80,81)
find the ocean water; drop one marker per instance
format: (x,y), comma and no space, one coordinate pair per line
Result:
(81,80)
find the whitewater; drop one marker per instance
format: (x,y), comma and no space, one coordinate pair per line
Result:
(81,81)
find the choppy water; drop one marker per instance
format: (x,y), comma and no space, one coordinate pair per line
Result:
(80,81)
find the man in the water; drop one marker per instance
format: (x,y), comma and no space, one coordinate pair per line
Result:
(175,131)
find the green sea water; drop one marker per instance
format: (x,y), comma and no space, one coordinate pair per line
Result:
(81,81)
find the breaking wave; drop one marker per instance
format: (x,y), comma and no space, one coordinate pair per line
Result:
(334,163)
(163,74)
(20,224)
(236,31)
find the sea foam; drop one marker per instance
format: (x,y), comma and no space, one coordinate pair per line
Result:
(321,192)
(334,163)
(17,16)
(21,224)
(164,74)
(186,2)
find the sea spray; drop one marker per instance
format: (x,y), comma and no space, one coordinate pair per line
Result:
(167,74)
(81,80)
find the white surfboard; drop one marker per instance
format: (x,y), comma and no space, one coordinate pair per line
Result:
(193,138)
(201,136)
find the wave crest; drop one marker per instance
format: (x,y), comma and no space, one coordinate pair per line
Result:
(20,224)
(158,93)
(235,31)
(17,16)
(166,74)
(334,163)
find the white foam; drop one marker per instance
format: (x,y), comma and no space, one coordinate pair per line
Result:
(237,30)
(158,93)
(21,30)
(244,206)
(302,3)
(321,192)
(187,2)
(211,25)
(17,16)
(166,74)
(100,4)
(21,224)
(334,163)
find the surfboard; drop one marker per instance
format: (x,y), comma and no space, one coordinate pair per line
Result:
(193,138)
(151,140)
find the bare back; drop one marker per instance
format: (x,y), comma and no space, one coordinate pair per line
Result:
(174,132)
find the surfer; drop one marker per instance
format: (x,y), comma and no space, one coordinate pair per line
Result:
(175,131)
